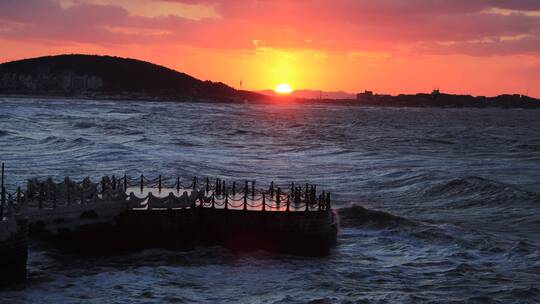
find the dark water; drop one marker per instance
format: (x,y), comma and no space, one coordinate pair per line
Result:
(458,192)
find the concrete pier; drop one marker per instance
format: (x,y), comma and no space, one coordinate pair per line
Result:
(13,251)
(303,233)
(13,241)
(123,214)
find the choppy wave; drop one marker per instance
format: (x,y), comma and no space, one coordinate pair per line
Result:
(357,215)
(4,133)
(474,191)
(85,125)
(445,202)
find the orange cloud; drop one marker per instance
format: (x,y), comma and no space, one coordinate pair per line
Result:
(390,46)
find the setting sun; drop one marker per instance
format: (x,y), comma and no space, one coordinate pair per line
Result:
(283,89)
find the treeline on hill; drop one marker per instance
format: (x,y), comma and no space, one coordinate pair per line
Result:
(105,75)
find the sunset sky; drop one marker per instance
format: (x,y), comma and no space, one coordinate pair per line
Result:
(479,47)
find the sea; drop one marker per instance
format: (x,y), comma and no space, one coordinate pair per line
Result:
(435,205)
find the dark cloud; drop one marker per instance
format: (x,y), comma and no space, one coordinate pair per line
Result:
(468,27)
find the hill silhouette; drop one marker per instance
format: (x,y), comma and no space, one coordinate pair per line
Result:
(92,75)
(107,77)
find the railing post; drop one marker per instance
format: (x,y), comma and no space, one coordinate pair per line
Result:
(328,206)
(253,189)
(178,184)
(68,191)
(224,188)
(288,203)
(245,200)
(159,183)
(142,182)
(318,202)
(292,190)
(194,204)
(194,182)
(278,198)
(82,194)
(306,194)
(272,189)
(264,202)
(113,182)
(207,185)
(40,199)
(149,205)
(305,199)
(54,199)
(312,194)
(18,196)
(2,194)
(226,203)
(213,201)
(201,200)
(233,188)
(125,183)
(24,196)
(217,188)
(246,188)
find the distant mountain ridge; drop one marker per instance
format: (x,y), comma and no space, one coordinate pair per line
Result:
(93,75)
(314,94)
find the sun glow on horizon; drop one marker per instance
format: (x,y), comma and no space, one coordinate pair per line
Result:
(283,89)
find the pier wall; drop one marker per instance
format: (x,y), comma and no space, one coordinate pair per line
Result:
(13,251)
(304,233)
(102,217)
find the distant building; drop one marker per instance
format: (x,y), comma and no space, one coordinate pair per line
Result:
(367,95)
(436,92)
(59,82)
(82,83)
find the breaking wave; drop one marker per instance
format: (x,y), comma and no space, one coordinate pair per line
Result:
(357,215)
(474,191)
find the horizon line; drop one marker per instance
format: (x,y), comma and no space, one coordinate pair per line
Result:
(258,90)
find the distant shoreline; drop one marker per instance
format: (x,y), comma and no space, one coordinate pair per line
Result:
(91,77)
(116,98)
(278,100)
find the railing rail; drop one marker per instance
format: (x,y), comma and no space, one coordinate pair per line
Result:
(215,193)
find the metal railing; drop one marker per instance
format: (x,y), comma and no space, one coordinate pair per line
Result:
(215,194)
